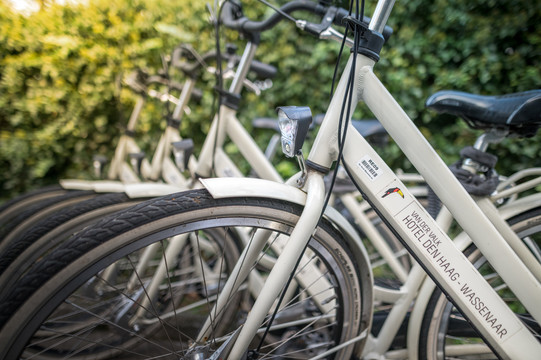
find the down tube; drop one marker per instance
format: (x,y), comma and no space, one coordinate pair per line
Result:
(437,253)
(485,236)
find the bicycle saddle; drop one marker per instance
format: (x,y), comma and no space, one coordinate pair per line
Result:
(519,112)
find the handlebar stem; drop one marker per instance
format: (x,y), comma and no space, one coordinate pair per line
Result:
(381,15)
(243,68)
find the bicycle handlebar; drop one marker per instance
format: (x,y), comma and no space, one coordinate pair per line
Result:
(233,18)
(139,80)
(262,70)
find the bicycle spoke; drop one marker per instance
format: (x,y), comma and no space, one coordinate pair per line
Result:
(172,295)
(154,311)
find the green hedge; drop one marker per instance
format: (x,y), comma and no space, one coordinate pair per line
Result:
(61,99)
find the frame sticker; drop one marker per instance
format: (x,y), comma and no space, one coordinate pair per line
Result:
(432,246)
(370,168)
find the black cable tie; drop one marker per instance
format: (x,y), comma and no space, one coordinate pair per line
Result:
(172,122)
(370,41)
(355,24)
(129,133)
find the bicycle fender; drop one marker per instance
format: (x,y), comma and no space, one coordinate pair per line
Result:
(251,187)
(143,190)
(97,185)
(133,191)
(520,205)
(230,187)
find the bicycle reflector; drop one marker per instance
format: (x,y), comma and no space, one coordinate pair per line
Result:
(294,123)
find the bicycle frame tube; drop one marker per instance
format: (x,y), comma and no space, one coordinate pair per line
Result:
(226,123)
(462,241)
(416,286)
(284,264)
(171,134)
(426,240)
(449,190)
(121,151)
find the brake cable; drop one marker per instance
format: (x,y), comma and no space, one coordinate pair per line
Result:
(217,100)
(348,98)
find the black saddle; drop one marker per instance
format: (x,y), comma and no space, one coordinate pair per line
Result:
(519,113)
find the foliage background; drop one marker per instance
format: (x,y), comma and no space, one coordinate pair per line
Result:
(61,69)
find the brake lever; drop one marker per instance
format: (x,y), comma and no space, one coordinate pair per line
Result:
(331,33)
(324,30)
(252,86)
(165,97)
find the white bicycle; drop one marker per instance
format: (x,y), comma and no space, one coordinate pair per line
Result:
(316,301)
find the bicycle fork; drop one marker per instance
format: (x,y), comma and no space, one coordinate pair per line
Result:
(284,266)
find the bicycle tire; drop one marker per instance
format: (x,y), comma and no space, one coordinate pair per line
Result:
(39,210)
(22,253)
(444,330)
(19,203)
(72,264)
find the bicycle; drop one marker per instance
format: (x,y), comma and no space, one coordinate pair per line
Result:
(17,218)
(275,210)
(18,213)
(18,253)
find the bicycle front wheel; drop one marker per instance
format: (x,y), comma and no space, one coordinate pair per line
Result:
(102,293)
(446,334)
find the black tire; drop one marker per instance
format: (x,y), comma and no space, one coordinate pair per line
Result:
(37,211)
(444,328)
(48,233)
(14,206)
(54,284)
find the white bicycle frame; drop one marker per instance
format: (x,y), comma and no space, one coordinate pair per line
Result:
(417,287)
(226,124)
(162,166)
(437,254)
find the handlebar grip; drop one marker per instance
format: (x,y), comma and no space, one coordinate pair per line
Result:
(191,70)
(196,94)
(262,70)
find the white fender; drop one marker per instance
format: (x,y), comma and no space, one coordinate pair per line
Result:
(95,185)
(518,206)
(133,190)
(140,190)
(252,187)
(229,187)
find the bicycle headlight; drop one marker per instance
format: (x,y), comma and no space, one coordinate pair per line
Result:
(294,123)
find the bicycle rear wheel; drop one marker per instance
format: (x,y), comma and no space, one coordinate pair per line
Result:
(446,334)
(93,298)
